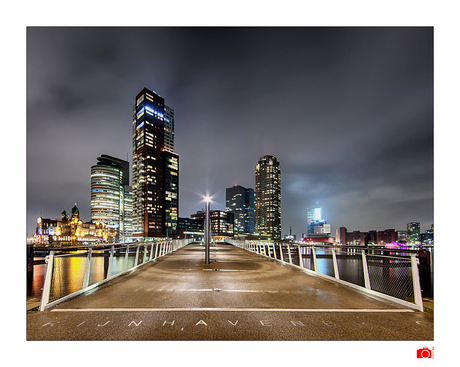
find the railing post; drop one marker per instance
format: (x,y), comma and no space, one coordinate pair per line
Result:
(315,264)
(281,252)
(151,251)
(48,279)
(367,282)
(274,251)
(126,256)
(336,268)
(416,282)
(289,253)
(156,249)
(137,255)
(87,268)
(300,256)
(109,270)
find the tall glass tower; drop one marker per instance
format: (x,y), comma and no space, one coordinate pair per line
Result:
(268,197)
(155,167)
(240,202)
(111,201)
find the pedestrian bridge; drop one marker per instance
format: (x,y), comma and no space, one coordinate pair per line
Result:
(248,291)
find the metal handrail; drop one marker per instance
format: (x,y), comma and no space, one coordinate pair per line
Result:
(269,249)
(161,249)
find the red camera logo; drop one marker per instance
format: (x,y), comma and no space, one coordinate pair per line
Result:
(425,352)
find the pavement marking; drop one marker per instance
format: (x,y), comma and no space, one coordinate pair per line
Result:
(229,309)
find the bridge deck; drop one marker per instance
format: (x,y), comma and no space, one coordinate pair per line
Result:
(239,296)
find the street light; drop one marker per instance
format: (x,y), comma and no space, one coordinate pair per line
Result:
(207,230)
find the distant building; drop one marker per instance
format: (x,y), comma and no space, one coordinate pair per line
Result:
(72,232)
(341,235)
(312,238)
(427,238)
(386,236)
(190,227)
(241,202)
(111,196)
(413,233)
(358,238)
(290,237)
(401,236)
(314,218)
(222,222)
(268,197)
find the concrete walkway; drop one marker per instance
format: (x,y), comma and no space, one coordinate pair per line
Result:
(239,296)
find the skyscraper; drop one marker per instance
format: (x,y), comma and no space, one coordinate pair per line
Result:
(314,219)
(155,167)
(268,197)
(111,201)
(240,202)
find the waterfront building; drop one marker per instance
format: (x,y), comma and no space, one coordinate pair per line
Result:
(315,221)
(111,201)
(413,233)
(155,167)
(241,202)
(427,238)
(222,222)
(312,238)
(268,197)
(372,237)
(401,236)
(341,235)
(190,227)
(72,231)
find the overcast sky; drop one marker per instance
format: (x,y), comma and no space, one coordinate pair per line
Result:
(348,112)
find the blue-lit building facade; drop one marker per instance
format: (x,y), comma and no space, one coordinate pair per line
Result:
(155,168)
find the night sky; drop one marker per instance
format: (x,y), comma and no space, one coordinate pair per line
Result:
(348,112)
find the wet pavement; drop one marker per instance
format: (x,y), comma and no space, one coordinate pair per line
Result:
(238,296)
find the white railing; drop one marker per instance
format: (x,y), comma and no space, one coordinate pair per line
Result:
(395,278)
(72,271)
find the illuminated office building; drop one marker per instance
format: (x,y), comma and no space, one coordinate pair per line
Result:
(155,167)
(268,197)
(413,233)
(241,202)
(315,220)
(111,201)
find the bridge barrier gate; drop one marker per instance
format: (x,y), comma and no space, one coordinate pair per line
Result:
(71,271)
(395,278)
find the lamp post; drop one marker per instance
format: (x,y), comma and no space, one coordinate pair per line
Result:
(207,230)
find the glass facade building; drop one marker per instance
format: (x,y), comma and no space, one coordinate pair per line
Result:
(241,202)
(111,201)
(155,167)
(268,197)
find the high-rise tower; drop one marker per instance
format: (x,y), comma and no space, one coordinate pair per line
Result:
(155,167)
(268,197)
(240,202)
(111,201)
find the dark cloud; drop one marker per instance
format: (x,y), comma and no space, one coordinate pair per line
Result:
(347,111)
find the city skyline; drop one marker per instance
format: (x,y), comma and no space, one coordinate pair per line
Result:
(347,111)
